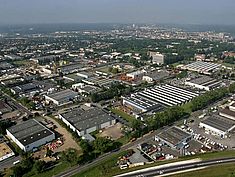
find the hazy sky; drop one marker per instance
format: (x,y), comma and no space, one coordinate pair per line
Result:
(118,11)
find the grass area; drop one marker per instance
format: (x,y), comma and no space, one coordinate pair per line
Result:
(104,69)
(109,168)
(56,170)
(123,140)
(105,168)
(226,170)
(212,155)
(229,65)
(122,114)
(21,62)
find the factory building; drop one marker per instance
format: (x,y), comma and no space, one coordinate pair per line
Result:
(29,135)
(62,97)
(87,121)
(202,67)
(152,98)
(204,83)
(174,137)
(217,125)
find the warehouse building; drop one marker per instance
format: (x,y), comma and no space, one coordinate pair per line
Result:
(228,113)
(26,89)
(204,83)
(217,125)
(202,67)
(62,97)
(29,135)
(165,95)
(87,121)
(174,137)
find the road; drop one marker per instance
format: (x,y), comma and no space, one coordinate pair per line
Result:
(9,162)
(74,170)
(177,168)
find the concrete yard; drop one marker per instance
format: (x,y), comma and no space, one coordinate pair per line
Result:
(114,132)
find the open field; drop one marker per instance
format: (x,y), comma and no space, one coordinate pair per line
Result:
(122,114)
(227,170)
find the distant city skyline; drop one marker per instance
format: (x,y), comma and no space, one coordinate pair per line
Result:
(117,11)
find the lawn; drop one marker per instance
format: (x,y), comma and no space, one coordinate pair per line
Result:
(105,168)
(226,170)
(123,114)
(123,140)
(56,170)
(212,155)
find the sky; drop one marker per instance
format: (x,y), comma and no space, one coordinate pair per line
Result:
(117,11)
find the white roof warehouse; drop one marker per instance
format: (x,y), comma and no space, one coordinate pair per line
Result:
(30,134)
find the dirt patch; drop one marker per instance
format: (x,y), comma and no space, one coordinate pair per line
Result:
(68,141)
(114,132)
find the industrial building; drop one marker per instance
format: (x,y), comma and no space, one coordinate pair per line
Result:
(136,74)
(202,67)
(217,125)
(155,76)
(157,58)
(29,135)
(228,113)
(174,137)
(86,121)
(153,98)
(62,97)
(5,151)
(204,83)
(25,89)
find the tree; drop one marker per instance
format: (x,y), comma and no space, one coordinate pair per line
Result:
(102,145)
(70,155)
(17,171)
(39,166)
(4,124)
(86,147)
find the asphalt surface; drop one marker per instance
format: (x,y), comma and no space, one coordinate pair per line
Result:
(177,168)
(8,163)
(74,170)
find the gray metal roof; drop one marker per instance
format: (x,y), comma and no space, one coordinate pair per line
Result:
(86,119)
(219,123)
(63,95)
(173,135)
(29,131)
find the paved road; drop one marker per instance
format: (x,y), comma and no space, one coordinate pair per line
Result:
(177,168)
(78,168)
(9,162)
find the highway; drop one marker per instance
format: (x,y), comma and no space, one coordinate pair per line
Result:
(177,168)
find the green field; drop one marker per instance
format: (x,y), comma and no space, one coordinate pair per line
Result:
(111,168)
(123,114)
(227,170)
(56,170)
(105,168)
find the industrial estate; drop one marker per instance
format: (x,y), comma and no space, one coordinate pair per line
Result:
(113,101)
